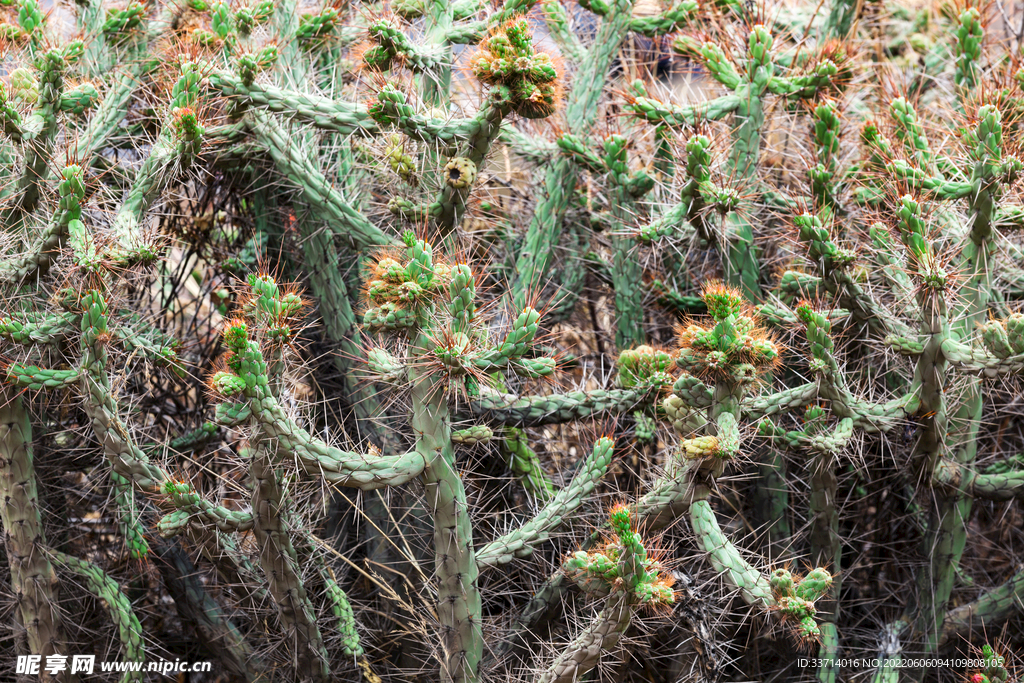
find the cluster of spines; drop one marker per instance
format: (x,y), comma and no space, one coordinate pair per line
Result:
(622,563)
(397,292)
(795,598)
(734,347)
(507,59)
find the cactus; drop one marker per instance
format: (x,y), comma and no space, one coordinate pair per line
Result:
(622,571)
(846,316)
(406,298)
(32,573)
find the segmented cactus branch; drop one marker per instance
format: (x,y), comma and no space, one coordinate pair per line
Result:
(32,575)
(117,606)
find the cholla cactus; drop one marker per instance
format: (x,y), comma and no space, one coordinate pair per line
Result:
(795,598)
(432,304)
(47,102)
(506,59)
(621,570)
(911,249)
(919,262)
(994,670)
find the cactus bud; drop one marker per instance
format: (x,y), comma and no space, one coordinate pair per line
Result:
(722,301)
(227,384)
(813,586)
(23,86)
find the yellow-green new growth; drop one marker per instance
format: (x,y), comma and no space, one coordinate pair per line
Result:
(507,59)
(621,571)
(622,563)
(794,599)
(734,348)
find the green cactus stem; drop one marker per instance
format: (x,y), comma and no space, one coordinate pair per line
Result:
(271,310)
(557,20)
(458,597)
(521,80)
(532,411)
(38,329)
(32,576)
(40,128)
(459,177)
(621,570)
(175,149)
(967,51)
(34,378)
(673,223)
(332,294)
(341,608)
(520,543)
(989,608)
(542,235)
(842,19)
(79,99)
(196,605)
(128,461)
(824,538)
(726,559)
(746,103)
(471,436)
(458,600)
(118,606)
(106,118)
(626,272)
(891,652)
(129,519)
(941,333)
(525,464)
(771,498)
(326,202)
(280,566)
(46,247)
(533,149)
(834,268)
(669,114)
(90,18)
(867,416)
(326,114)
(998,486)
(603,633)
(392,43)
(314,456)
